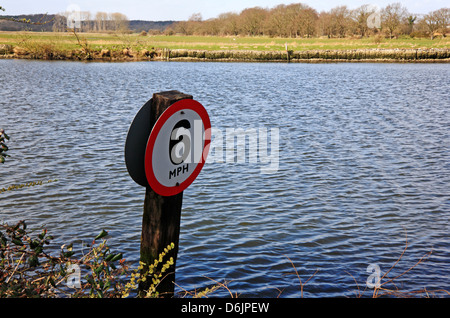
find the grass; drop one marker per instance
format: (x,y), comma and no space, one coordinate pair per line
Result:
(115,41)
(278,44)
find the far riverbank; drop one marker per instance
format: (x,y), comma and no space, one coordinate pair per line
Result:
(132,47)
(429,55)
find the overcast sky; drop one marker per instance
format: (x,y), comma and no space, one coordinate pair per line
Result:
(181,9)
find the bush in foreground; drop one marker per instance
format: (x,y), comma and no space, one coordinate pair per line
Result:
(27,270)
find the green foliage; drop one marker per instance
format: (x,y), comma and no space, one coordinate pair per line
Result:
(21,257)
(105,269)
(28,270)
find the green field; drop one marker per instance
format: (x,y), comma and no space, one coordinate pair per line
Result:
(115,41)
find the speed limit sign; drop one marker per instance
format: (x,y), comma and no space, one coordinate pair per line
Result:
(177,147)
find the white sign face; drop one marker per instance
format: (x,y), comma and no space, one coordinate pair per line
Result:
(178,142)
(177,147)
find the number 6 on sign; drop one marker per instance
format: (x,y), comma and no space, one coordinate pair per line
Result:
(177,147)
(180,142)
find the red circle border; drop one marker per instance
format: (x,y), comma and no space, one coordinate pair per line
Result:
(174,108)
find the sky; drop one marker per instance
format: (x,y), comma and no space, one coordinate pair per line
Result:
(161,10)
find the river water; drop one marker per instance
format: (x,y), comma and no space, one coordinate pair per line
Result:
(363,169)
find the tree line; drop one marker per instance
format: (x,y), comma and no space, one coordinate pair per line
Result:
(295,20)
(300,20)
(89,22)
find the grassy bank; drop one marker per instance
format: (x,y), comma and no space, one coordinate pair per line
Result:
(123,47)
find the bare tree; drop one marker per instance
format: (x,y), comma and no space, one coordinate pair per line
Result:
(210,27)
(196,17)
(101,19)
(229,23)
(59,23)
(340,20)
(392,17)
(252,20)
(325,24)
(277,23)
(119,22)
(180,27)
(308,19)
(193,25)
(360,16)
(436,21)
(443,17)
(300,20)
(293,21)
(86,19)
(430,23)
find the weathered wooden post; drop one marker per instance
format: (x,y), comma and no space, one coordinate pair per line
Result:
(288,58)
(161,219)
(166,148)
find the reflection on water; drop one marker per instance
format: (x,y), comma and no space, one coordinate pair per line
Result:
(363,159)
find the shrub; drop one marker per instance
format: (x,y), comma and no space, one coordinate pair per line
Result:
(378,38)
(28,270)
(419,34)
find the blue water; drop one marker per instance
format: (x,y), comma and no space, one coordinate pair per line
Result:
(364,169)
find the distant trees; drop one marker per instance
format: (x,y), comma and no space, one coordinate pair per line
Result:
(59,23)
(253,20)
(118,22)
(361,16)
(392,17)
(100,22)
(300,20)
(306,21)
(340,20)
(436,22)
(276,22)
(229,23)
(296,20)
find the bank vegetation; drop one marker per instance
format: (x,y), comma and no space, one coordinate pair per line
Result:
(132,47)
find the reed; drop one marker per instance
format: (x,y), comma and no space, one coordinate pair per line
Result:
(387,286)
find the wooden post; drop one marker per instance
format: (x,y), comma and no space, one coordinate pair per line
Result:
(287,51)
(161,219)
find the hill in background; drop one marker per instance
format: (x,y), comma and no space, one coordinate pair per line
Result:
(8,25)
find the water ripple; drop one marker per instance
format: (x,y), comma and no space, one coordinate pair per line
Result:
(364,158)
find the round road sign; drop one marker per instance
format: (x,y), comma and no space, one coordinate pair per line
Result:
(177,147)
(135,144)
